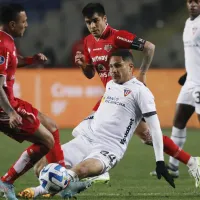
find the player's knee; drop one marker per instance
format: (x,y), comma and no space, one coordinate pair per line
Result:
(82,171)
(52,125)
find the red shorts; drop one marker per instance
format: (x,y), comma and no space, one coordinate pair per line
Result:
(97,105)
(30,121)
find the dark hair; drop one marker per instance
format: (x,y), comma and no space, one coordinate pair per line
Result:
(91,8)
(124,53)
(9,12)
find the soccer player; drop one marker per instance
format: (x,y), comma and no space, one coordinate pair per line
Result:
(189,97)
(98,47)
(102,145)
(19,119)
(106,138)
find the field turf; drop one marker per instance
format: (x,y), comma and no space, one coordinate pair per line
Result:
(130,179)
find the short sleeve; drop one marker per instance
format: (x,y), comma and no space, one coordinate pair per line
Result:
(123,39)
(86,52)
(145,100)
(4,59)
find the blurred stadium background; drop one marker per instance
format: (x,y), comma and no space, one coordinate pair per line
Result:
(57,28)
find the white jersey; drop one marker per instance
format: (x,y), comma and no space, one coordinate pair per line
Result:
(119,114)
(191,40)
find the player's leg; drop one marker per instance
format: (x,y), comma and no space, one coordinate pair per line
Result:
(43,142)
(182,115)
(55,155)
(74,152)
(96,163)
(195,169)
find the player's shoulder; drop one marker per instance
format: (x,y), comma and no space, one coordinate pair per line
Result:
(6,40)
(89,39)
(138,86)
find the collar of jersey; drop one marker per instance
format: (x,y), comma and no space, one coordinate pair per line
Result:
(7,34)
(103,33)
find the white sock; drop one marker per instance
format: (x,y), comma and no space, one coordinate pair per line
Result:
(39,190)
(179,137)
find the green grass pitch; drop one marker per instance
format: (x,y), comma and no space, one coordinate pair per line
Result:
(129,179)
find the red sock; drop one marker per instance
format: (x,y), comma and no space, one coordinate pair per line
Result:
(56,155)
(175,151)
(25,162)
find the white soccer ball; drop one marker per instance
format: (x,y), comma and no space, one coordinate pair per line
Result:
(54,178)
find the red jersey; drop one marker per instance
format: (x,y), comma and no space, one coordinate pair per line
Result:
(97,52)
(8,64)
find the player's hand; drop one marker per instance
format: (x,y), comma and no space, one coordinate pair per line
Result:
(142,78)
(39,58)
(79,59)
(15,119)
(161,170)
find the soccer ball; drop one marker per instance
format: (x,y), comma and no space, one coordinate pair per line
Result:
(54,178)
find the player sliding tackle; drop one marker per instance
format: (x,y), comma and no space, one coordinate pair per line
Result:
(102,145)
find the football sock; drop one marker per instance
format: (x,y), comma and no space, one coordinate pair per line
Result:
(55,155)
(173,150)
(26,161)
(179,138)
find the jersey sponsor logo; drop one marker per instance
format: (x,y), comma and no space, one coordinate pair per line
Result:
(124,39)
(97,49)
(99,58)
(123,140)
(126,92)
(2,60)
(108,47)
(114,100)
(104,74)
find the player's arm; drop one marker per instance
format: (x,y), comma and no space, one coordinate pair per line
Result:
(127,40)
(31,60)
(83,61)
(148,53)
(14,118)
(146,103)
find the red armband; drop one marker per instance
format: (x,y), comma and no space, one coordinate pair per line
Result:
(28,60)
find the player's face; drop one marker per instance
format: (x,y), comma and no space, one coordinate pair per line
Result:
(193,8)
(120,70)
(19,26)
(96,24)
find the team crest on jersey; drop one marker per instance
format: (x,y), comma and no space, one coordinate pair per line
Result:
(2,60)
(108,47)
(126,92)
(101,67)
(194,30)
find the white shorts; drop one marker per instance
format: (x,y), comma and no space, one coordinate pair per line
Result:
(190,95)
(82,148)
(84,126)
